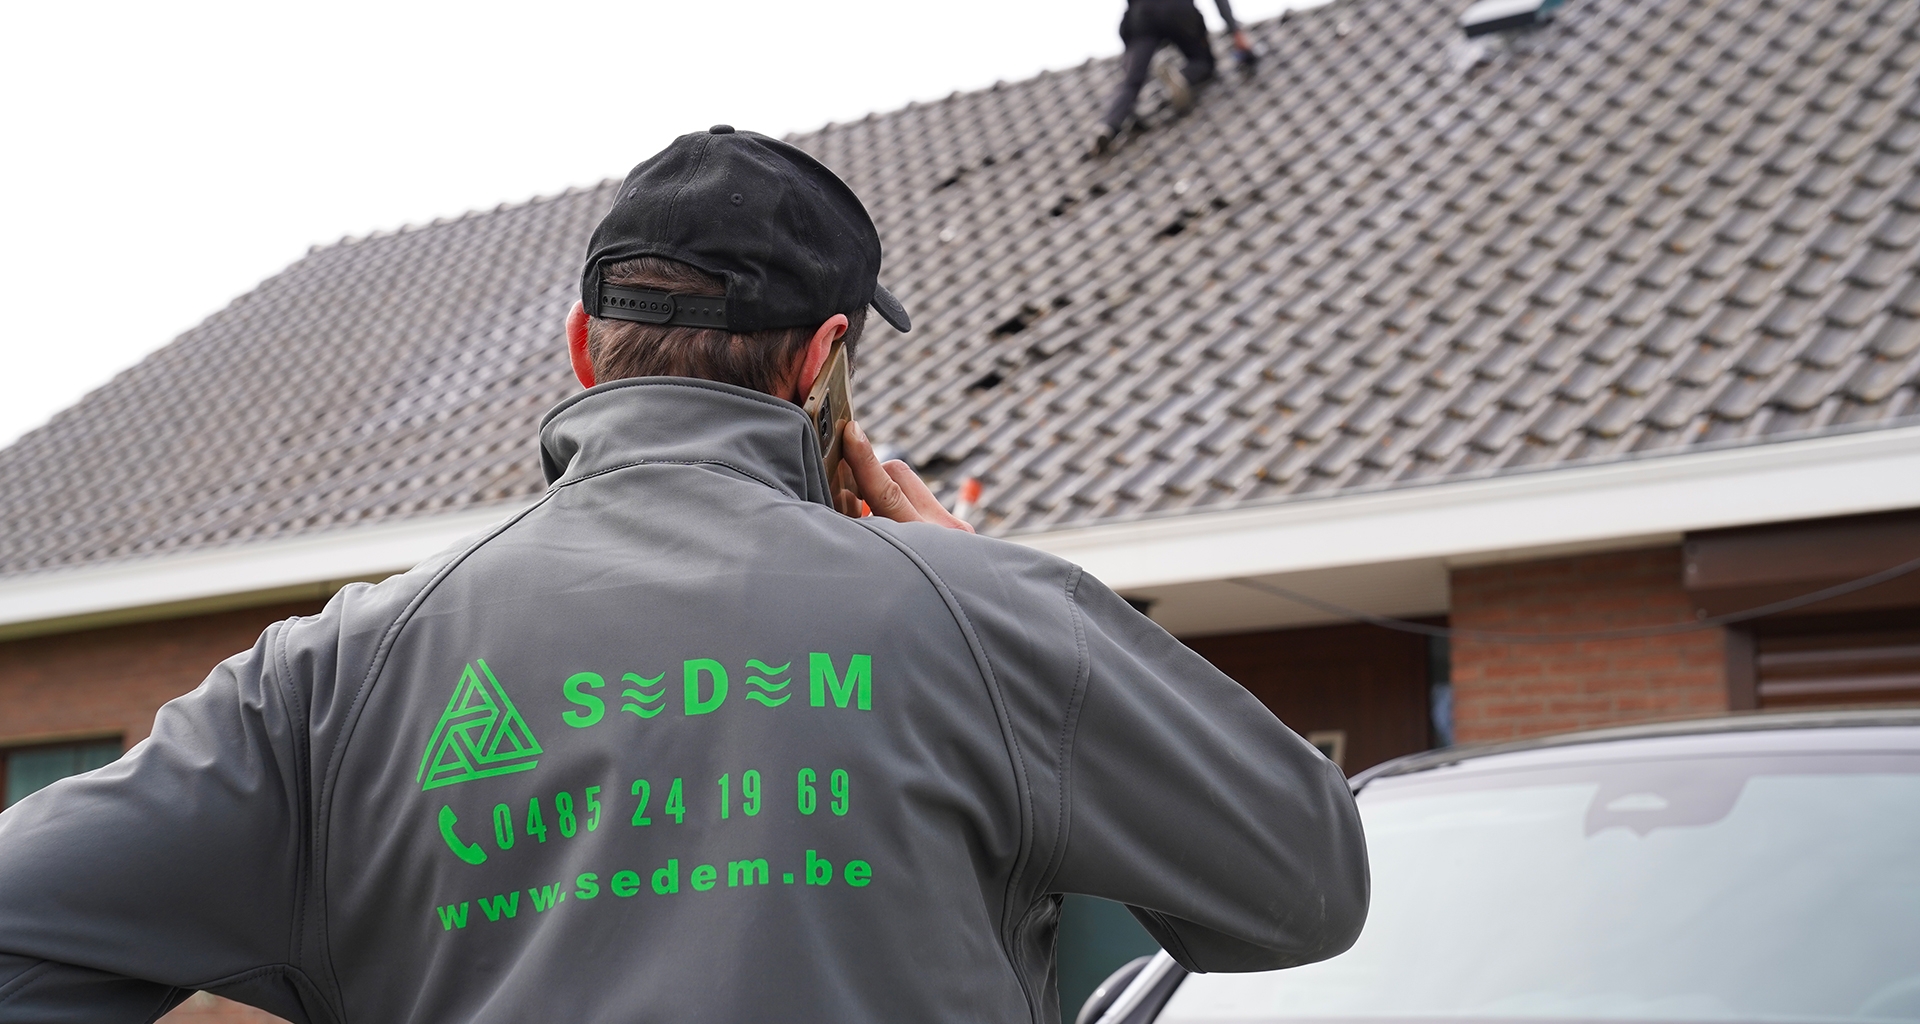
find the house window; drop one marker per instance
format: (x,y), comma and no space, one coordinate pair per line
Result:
(1332,743)
(27,770)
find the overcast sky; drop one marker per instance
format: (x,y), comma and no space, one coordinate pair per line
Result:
(167,157)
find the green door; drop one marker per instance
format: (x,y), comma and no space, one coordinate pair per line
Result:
(1096,937)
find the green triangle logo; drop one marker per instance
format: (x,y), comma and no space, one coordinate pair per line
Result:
(480,735)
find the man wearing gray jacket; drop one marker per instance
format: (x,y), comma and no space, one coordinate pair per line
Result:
(682,742)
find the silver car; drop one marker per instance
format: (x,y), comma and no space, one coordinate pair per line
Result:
(1763,868)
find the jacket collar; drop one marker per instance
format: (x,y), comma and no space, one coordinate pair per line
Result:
(682,420)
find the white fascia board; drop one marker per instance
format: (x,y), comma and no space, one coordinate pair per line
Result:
(265,568)
(1609,506)
(1537,514)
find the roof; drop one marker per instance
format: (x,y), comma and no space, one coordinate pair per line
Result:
(1383,260)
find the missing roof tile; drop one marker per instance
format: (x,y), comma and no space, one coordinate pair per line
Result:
(1179,224)
(987,381)
(1019,321)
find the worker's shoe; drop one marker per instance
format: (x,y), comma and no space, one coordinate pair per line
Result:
(1102,142)
(1177,87)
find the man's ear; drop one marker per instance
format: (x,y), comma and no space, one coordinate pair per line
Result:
(815,355)
(577,345)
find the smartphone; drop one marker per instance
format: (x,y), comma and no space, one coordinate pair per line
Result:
(830,406)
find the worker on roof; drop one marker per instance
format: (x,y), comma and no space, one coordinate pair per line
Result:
(1149,25)
(690,739)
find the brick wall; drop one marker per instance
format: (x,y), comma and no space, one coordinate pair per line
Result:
(111,681)
(1506,691)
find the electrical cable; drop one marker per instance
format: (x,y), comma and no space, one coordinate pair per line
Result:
(1496,637)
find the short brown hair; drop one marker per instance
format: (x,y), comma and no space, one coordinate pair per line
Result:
(756,360)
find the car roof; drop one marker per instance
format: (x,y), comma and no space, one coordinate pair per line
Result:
(1895,729)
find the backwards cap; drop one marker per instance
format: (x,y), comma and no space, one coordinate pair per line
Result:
(790,238)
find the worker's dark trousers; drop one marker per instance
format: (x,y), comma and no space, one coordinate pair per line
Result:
(1149,25)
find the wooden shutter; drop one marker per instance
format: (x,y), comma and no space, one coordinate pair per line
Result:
(1857,666)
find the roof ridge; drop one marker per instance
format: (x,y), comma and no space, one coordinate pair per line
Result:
(1001,84)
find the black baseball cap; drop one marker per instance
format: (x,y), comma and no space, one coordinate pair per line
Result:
(789,237)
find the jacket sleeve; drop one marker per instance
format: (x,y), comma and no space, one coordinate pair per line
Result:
(176,868)
(44,992)
(1232,839)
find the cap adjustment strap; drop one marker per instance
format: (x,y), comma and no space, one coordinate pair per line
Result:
(644,306)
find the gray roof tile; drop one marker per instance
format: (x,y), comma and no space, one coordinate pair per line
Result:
(1648,226)
(1877,378)
(1898,338)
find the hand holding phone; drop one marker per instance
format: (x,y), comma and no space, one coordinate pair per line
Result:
(892,489)
(853,472)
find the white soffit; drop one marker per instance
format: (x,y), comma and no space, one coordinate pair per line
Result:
(1397,589)
(1410,534)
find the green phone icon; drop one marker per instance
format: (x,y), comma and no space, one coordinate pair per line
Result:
(469,852)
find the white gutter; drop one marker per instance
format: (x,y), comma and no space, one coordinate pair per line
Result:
(1614,505)
(1524,515)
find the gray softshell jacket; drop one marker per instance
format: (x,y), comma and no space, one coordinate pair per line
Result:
(680,743)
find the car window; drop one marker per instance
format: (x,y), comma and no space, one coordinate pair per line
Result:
(1771,889)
